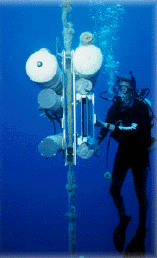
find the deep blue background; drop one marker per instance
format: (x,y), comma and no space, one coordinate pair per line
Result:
(33,194)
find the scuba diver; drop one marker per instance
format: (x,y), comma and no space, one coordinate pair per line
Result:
(129,121)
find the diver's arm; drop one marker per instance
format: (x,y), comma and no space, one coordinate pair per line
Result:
(104,131)
(105,127)
(125,130)
(139,124)
(102,134)
(108,126)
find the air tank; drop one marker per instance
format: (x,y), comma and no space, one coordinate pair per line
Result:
(42,67)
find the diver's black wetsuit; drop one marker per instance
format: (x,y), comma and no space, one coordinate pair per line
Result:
(132,152)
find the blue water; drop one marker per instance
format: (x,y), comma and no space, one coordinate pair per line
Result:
(33,194)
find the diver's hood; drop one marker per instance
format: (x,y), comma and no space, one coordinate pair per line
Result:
(130,79)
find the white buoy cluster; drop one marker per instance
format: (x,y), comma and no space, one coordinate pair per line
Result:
(87,62)
(42,68)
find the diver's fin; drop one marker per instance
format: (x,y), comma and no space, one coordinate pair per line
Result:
(119,233)
(136,247)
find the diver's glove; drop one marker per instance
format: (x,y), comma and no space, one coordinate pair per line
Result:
(97,148)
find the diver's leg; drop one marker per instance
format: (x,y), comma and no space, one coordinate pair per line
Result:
(120,168)
(140,181)
(118,176)
(137,244)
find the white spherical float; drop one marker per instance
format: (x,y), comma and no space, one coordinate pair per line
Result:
(42,67)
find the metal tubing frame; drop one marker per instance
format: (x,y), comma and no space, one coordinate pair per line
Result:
(74,108)
(64,107)
(64,98)
(90,116)
(90,138)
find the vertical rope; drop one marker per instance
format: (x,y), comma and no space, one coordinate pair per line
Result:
(71,186)
(67,24)
(67,35)
(71,214)
(69,107)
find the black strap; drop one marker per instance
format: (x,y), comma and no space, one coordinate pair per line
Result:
(108,145)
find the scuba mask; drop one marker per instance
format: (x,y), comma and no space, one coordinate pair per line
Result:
(124,85)
(119,87)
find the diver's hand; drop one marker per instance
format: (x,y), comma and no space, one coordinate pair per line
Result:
(110,127)
(100,123)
